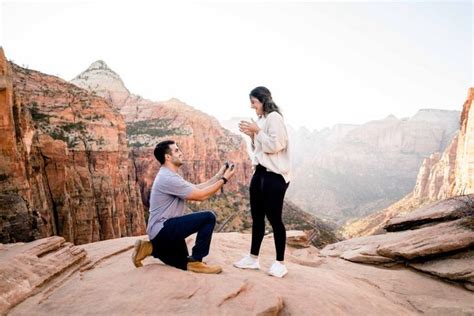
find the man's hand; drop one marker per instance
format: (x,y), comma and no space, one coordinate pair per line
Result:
(229,173)
(221,171)
(204,192)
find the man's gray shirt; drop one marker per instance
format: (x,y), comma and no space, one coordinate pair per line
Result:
(166,199)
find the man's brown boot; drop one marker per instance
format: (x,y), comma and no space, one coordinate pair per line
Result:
(201,267)
(142,250)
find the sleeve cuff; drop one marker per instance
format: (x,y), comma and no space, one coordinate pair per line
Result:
(259,135)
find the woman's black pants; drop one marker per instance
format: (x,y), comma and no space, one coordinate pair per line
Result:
(267,191)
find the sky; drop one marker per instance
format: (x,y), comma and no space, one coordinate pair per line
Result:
(325,62)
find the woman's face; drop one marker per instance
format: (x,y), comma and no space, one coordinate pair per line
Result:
(257,105)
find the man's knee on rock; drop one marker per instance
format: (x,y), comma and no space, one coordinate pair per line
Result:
(211,216)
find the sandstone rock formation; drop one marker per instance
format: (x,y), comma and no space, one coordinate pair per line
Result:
(464,174)
(437,239)
(351,171)
(65,165)
(105,82)
(442,175)
(450,173)
(107,283)
(436,175)
(24,268)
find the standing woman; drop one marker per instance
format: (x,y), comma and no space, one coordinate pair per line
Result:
(270,180)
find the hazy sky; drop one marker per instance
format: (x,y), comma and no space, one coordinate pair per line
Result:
(325,62)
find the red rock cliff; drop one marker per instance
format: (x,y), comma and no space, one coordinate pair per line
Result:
(66,165)
(464,174)
(452,174)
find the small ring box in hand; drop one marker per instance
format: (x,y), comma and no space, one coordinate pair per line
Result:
(227,166)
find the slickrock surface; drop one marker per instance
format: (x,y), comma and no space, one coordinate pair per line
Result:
(442,211)
(315,285)
(26,267)
(437,239)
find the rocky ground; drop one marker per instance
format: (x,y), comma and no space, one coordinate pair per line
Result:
(51,277)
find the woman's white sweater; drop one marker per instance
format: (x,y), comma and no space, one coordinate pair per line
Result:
(271,146)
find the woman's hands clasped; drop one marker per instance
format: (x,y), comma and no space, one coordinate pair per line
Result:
(249,128)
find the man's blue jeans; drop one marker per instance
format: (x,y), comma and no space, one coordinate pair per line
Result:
(170,246)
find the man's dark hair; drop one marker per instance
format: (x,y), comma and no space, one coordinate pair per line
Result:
(162,149)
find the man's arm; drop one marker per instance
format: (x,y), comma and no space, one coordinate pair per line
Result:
(214,179)
(209,182)
(201,194)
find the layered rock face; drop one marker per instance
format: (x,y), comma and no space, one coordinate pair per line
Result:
(351,171)
(26,267)
(437,239)
(442,175)
(464,175)
(436,175)
(18,221)
(66,167)
(105,282)
(450,173)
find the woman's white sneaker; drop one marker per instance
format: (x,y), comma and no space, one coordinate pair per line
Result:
(247,262)
(278,270)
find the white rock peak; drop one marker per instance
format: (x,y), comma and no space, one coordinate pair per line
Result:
(100,78)
(99,64)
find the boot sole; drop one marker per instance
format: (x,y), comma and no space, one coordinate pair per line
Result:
(135,253)
(206,272)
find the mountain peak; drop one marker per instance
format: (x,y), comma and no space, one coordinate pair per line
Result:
(99,67)
(99,78)
(99,64)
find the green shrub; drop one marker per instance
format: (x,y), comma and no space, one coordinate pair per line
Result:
(155,127)
(69,127)
(59,134)
(36,115)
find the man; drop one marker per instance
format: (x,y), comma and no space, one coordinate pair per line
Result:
(167,226)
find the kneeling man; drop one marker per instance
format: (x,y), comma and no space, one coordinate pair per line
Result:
(167,226)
